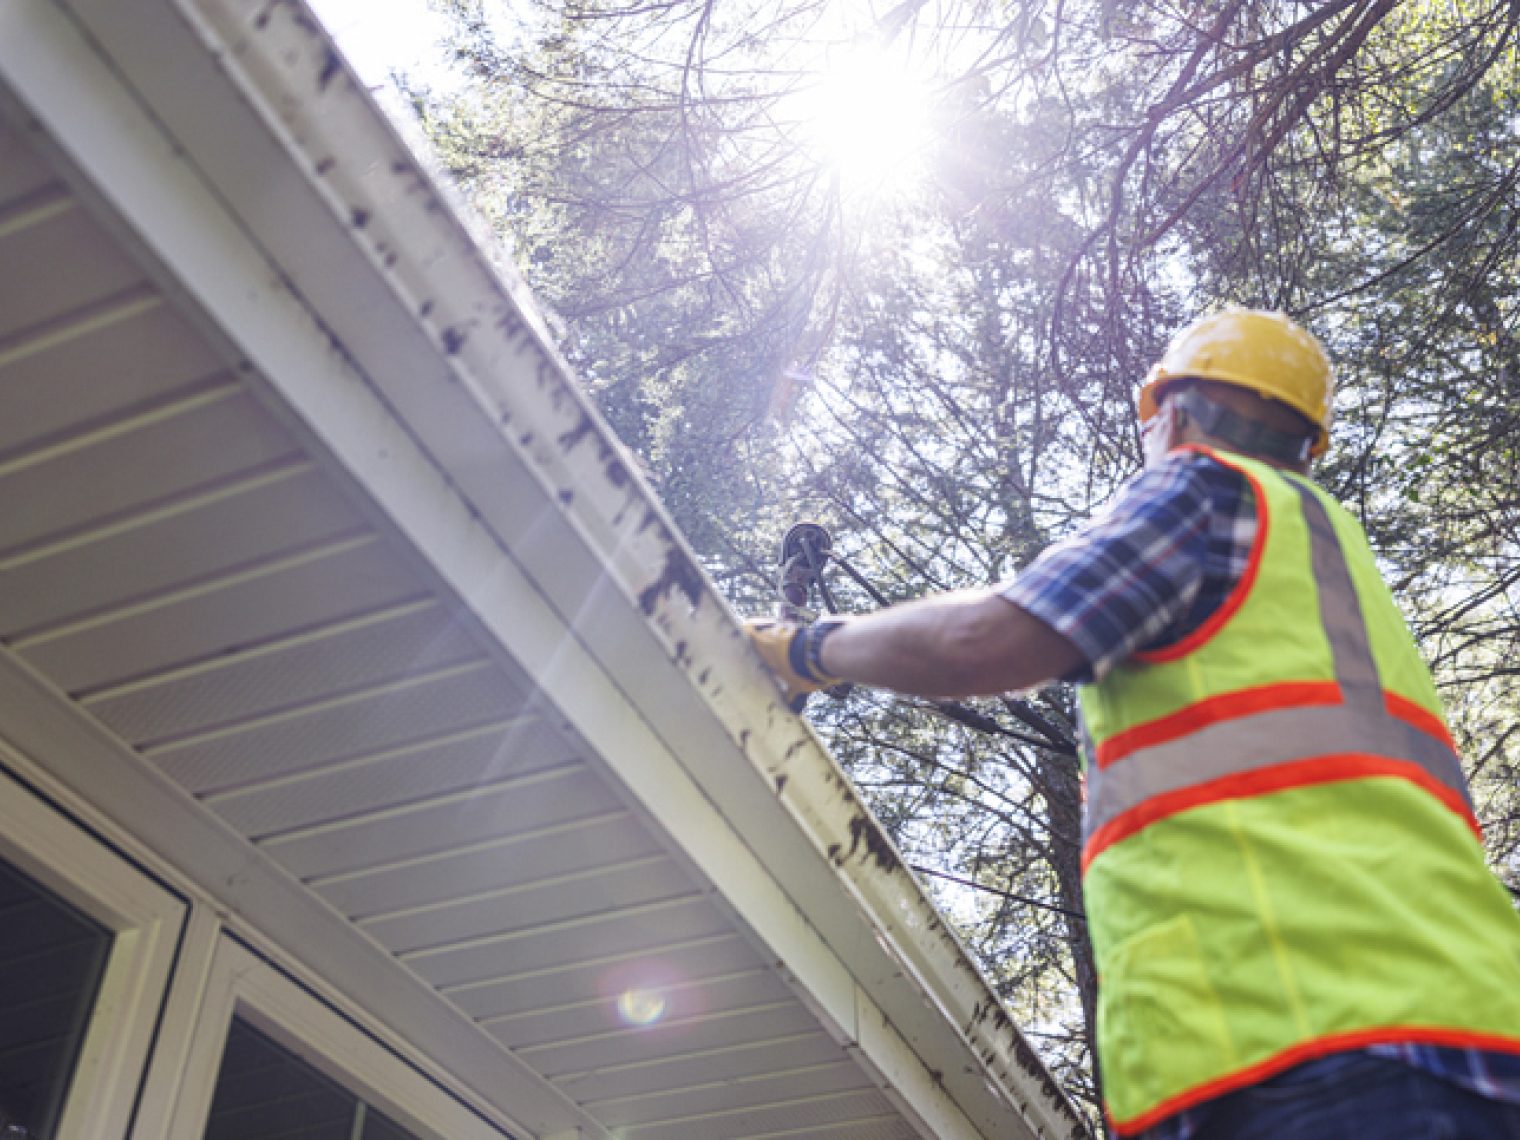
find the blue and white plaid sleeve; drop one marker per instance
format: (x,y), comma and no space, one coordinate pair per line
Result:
(1127,579)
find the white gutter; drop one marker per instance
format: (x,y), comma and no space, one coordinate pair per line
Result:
(456,351)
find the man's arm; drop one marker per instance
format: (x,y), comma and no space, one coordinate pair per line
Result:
(960,644)
(1120,585)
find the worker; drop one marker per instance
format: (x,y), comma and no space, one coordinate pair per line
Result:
(1295,931)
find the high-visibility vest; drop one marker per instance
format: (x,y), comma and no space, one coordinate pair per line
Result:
(1280,856)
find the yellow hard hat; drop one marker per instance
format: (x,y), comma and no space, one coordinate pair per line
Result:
(1255,349)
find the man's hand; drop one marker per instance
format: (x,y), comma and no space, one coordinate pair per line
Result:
(790,649)
(963,644)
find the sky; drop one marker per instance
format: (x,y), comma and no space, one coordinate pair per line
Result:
(380,37)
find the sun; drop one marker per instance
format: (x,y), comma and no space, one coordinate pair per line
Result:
(868,117)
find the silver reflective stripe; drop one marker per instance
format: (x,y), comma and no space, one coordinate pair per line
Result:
(1250,743)
(1262,740)
(1340,611)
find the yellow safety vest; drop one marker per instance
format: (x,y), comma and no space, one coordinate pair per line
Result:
(1280,855)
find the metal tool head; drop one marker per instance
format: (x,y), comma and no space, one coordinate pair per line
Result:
(810,540)
(804,551)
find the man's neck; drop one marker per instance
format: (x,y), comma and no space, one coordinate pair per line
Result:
(1218,423)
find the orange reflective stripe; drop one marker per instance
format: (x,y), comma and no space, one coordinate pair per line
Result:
(1313,1050)
(1227,609)
(1226,706)
(1260,781)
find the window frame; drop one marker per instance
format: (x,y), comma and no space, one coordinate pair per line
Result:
(243,983)
(146,920)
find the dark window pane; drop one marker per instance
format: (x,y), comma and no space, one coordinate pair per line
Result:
(51,960)
(265,1092)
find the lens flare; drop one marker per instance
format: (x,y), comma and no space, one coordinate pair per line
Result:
(641,1006)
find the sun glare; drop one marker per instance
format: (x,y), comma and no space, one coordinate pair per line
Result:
(868,117)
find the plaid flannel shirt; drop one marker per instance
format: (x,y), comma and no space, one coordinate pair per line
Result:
(1145,574)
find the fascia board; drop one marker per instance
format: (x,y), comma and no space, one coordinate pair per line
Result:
(467,399)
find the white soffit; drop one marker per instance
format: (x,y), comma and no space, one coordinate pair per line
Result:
(344,555)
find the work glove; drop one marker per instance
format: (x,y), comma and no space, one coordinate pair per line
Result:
(791,649)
